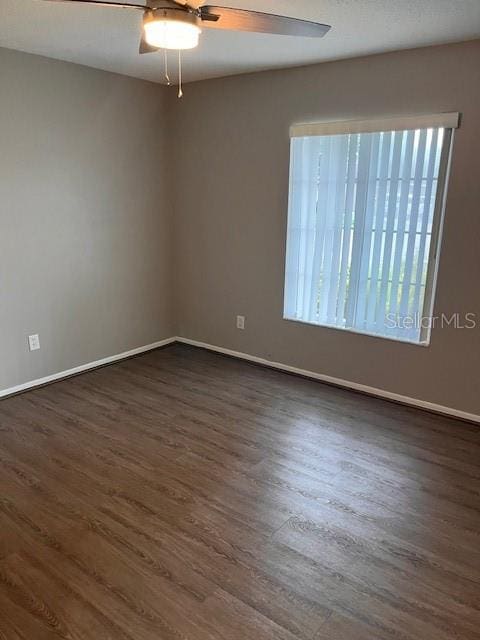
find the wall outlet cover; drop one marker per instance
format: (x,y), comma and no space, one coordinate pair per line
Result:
(34,342)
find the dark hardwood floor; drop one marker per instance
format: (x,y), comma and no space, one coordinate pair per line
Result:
(184,495)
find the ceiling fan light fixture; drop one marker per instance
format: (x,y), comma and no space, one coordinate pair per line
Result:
(172,29)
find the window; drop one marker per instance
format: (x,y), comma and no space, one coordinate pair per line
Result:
(364,223)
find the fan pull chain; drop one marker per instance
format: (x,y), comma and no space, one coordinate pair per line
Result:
(167,77)
(180,90)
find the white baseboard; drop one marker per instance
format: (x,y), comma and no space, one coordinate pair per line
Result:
(339,382)
(84,367)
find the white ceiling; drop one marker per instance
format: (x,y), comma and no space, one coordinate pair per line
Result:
(108,38)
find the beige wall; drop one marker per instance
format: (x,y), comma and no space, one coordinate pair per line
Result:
(87,258)
(231,149)
(84,216)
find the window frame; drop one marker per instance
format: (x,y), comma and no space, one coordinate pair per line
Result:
(368,126)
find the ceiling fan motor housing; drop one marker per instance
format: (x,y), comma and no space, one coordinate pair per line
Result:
(172,28)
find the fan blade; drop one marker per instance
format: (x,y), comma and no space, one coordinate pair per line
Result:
(145,47)
(193,5)
(242,20)
(100,3)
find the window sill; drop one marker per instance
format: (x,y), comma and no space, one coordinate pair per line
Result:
(424,343)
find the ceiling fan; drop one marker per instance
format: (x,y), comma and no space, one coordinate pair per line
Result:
(176,24)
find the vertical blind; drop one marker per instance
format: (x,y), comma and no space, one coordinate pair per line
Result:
(361,227)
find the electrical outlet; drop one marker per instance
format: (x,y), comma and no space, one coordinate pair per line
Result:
(34,342)
(241,322)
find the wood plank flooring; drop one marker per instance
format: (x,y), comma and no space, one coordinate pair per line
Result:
(182,495)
